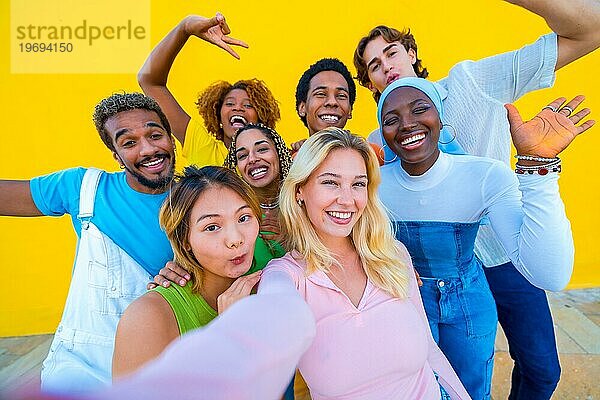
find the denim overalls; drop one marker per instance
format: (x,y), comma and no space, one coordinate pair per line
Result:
(105,280)
(458,302)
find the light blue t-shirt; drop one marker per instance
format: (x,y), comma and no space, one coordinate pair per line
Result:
(128,217)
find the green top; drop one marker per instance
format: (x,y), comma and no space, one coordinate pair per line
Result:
(265,251)
(190,309)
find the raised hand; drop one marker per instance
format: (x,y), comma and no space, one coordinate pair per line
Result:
(214,30)
(551,130)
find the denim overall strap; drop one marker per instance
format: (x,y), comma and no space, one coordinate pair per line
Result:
(87,195)
(105,281)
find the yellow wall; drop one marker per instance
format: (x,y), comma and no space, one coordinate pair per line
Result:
(46,117)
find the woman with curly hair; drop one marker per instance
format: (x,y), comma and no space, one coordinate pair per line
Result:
(262,159)
(224,107)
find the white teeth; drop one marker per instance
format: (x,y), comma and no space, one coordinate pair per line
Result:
(258,171)
(413,139)
(153,163)
(330,118)
(340,215)
(238,119)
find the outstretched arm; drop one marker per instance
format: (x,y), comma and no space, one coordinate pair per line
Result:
(155,71)
(576,22)
(16,200)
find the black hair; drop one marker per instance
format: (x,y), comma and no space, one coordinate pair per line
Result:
(324,64)
(119,102)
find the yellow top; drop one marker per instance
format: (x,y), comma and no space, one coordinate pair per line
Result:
(201,148)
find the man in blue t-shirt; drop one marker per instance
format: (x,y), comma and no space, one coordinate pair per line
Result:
(120,243)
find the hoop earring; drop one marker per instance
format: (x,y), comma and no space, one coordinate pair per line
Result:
(382,155)
(453,136)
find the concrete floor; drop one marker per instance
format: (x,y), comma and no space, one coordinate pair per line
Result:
(577,322)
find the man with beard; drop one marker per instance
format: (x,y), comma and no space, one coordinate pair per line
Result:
(120,246)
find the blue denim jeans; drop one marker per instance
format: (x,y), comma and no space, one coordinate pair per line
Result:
(525,317)
(463,322)
(457,299)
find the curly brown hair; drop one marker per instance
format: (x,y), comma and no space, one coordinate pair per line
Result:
(210,101)
(389,35)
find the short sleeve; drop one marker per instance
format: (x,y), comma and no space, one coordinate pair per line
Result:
(58,193)
(201,148)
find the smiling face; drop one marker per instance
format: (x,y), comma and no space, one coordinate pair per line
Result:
(327,102)
(387,62)
(222,233)
(143,148)
(257,158)
(237,110)
(411,128)
(335,195)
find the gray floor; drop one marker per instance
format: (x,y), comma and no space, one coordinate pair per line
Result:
(576,316)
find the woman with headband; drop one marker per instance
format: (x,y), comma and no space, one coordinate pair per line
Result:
(437,201)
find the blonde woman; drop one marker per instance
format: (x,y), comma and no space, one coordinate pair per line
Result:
(373,340)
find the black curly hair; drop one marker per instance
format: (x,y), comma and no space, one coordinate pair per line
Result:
(119,102)
(324,64)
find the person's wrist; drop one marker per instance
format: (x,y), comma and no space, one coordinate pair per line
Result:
(185,25)
(528,160)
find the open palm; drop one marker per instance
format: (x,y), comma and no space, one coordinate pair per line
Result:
(549,132)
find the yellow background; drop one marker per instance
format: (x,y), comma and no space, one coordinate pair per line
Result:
(46,118)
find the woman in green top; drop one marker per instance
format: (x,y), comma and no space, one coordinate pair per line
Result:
(262,159)
(211,218)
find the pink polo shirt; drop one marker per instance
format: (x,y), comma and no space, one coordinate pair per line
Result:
(382,349)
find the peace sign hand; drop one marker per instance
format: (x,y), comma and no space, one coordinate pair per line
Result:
(551,131)
(214,30)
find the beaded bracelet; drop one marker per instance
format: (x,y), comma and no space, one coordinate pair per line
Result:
(535,158)
(553,166)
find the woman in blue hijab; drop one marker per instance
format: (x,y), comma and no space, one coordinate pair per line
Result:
(437,202)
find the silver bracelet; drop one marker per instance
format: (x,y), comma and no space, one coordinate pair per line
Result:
(553,166)
(535,158)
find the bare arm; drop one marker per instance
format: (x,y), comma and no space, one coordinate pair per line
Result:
(576,22)
(155,71)
(144,331)
(16,200)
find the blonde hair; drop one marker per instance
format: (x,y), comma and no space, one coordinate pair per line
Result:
(372,234)
(175,213)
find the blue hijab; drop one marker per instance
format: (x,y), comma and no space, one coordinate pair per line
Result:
(447,143)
